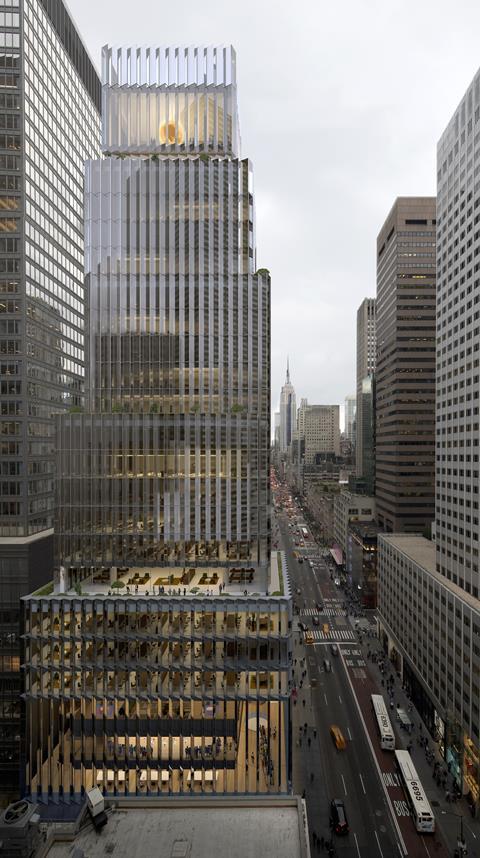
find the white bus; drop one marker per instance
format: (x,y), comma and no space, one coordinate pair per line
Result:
(384,727)
(421,811)
(304,532)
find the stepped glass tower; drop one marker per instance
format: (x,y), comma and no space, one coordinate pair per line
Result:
(159,662)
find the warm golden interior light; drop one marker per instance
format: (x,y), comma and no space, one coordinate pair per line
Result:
(169,131)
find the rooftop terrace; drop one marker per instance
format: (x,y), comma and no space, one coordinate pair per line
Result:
(180,581)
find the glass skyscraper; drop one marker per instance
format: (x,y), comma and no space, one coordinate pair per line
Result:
(160,661)
(50,99)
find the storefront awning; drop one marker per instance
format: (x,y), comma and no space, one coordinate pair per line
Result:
(337,555)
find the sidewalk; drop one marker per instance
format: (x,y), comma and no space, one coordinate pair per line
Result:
(306,757)
(447,814)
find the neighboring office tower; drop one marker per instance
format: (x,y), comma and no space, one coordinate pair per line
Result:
(322,431)
(366,398)
(163,485)
(458,341)
(366,356)
(350,409)
(276,429)
(405,372)
(50,101)
(301,418)
(429,592)
(288,413)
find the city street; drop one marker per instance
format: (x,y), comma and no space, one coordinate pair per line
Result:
(362,775)
(348,774)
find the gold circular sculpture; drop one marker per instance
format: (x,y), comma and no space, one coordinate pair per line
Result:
(171,133)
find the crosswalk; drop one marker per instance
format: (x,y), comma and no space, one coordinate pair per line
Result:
(333,635)
(329,612)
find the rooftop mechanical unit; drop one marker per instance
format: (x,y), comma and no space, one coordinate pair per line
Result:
(19,830)
(96,808)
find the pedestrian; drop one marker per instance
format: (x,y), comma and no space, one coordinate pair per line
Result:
(314,838)
(322,842)
(314,732)
(311,777)
(309,741)
(447,796)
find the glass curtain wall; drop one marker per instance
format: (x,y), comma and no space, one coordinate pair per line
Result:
(157,696)
(182,684)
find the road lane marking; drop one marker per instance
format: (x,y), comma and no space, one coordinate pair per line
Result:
(344,786)
(401,807)
(378,844)
(349,734)
(393,816)
(326,701)
(356,844)
(363,785)
(340,698)
(470,830)
(426,847)
(391,779)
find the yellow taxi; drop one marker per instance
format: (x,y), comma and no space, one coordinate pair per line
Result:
(326,628)
(338,737)
(309,637)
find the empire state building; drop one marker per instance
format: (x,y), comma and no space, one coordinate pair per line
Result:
(288,413)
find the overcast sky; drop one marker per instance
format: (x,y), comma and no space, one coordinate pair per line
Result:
(341,107)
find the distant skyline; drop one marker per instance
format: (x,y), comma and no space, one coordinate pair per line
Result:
(341,107)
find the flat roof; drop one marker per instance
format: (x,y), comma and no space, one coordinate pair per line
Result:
(273,828)
(422,551)
(417,548)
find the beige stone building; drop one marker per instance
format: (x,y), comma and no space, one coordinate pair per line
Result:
(322,431)
(350,507)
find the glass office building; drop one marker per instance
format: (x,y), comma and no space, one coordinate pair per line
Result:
(162,525)
(50,99)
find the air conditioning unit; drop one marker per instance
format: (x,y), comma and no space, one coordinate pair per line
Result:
(20,830)
(96,807)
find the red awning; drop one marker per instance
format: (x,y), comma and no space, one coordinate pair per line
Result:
(337,555)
